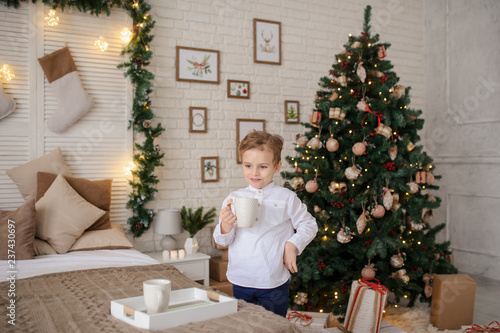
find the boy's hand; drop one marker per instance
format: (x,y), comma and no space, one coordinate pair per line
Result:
(290,257)
(227,218)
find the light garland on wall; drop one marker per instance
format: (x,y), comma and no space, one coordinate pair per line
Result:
(147,155)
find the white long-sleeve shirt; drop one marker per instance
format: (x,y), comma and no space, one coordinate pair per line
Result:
(256,254)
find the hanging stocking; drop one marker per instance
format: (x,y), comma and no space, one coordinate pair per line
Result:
(7,104)
(72,100)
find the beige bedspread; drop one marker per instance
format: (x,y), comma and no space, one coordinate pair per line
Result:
(79,301)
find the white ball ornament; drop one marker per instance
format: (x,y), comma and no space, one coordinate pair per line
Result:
(430,178)
(378,211)
(314,143)
(301,140)
(312,186)
(362,105)
(359,148)
(332,145)
(352,172)
(397,261)
(368,271)
(413,187)
(344,236)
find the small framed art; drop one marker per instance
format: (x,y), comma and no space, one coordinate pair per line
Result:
(266,42)
(197,65)
(238,89)
(197,119)
(292,112)
(210,169)
(245,126)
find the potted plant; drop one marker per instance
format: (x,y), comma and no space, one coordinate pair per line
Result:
(193,222)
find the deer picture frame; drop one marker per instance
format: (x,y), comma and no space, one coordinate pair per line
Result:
(266,42)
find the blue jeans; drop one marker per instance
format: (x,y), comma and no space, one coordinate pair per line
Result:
(274,299)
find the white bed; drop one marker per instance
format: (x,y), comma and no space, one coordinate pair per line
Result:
(74,261)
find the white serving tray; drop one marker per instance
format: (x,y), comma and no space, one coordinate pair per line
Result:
(186,305)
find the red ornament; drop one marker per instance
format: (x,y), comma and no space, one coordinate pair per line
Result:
(389,166)
(383,79)
(321,265)
(368,243)
(344,288)
(244,91)
(345,64)
(337,204)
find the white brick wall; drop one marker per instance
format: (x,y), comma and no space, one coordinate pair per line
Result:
(313,32)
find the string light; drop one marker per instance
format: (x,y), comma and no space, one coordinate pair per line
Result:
(135,4)
(101,44)
(128,169)
(126,35)
(6,73)
(51,19)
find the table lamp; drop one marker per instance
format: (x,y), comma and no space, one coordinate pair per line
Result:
(168,222)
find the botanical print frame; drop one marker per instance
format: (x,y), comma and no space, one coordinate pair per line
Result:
(292,112)
(245,126)
(197,65)
(210,169)
(238,89)
(266,42)
(197,119)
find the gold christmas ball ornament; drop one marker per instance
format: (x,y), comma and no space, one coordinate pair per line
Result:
(413,187)
(314,143)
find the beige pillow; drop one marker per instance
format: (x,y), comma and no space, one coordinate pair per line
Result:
(41,247)
(62,215)
(112,239)
(20,240)
(24,176)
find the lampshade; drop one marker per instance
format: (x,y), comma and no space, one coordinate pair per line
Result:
(168,222)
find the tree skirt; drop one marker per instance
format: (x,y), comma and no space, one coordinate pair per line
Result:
(412,320)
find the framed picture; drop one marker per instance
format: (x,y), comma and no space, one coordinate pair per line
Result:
(267,42)
(238,89)
(245,126)
(210,169)
(197,119)
(197,65)
(292,112)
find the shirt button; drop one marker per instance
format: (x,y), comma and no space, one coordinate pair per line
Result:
(258,204)
(260,191)
(275,205)
(257,219)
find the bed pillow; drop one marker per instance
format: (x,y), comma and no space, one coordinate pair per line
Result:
(41,247)
(62,215)
(97,192)
(24,176)
(111,239)
(24,218)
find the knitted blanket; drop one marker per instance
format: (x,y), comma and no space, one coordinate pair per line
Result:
(80,301)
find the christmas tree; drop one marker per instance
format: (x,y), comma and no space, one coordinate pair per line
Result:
(361,173)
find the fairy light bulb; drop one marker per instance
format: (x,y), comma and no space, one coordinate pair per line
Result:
(128,169)
(126,35)
(51,19)
(135,4)
(101,44)
(6,73)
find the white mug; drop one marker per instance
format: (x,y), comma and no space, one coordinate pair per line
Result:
(157,295)
(245,210)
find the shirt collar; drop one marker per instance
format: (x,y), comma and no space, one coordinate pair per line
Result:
(268,186)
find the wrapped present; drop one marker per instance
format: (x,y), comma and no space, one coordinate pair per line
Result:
(384,130)
(420,177)
(366,304)
(310,321)
(452,301)
(336,113)
(494,326)
(385,327)
(315,118)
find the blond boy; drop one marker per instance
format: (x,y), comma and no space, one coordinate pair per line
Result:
(262,257)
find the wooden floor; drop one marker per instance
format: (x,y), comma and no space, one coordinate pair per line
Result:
(487,303)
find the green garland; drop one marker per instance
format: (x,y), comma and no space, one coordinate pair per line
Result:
(148,155)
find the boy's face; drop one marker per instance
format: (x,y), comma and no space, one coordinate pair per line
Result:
(258,167)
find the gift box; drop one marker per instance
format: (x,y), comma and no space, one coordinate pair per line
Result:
(385,327)
(310,321)
(218,269)
(366,304)
(452,304)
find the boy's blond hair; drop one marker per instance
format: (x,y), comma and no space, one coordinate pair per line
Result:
(263,140)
